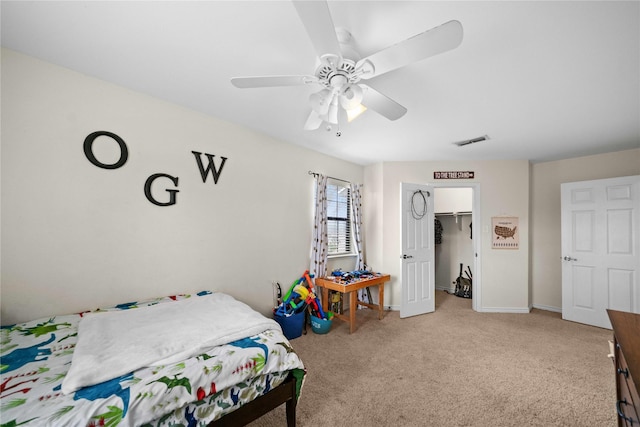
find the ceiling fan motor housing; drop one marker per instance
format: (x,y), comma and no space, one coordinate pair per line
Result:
(335,72)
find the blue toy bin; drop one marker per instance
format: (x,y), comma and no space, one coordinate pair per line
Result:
(291,325)
(320,326)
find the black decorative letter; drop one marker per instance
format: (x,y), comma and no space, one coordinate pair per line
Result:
(215,173)
(88,149)
(147,189)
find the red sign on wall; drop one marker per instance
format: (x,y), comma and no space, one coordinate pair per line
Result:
(453,175)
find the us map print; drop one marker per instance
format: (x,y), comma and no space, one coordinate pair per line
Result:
(505,232)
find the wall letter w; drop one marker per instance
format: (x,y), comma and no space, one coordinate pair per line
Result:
(211,167)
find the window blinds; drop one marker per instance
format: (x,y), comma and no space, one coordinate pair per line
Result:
(338,219)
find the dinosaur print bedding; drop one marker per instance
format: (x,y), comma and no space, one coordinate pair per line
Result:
(36,356)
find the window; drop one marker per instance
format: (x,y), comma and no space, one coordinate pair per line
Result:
(338,219)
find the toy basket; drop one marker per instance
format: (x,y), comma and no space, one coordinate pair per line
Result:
(291,325)
(320,326)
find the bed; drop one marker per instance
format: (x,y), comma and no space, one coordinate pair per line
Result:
(93,368)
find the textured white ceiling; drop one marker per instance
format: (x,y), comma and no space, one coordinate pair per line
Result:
(545,80)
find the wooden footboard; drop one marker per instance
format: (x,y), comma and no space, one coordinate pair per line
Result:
(285,392)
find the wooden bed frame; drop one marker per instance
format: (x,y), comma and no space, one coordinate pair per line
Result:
(285,392)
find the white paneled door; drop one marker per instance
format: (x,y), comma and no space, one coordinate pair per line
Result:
(418,256)
(600,249)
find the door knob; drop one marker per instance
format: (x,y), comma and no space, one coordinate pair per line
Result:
(406,256)
(568,258)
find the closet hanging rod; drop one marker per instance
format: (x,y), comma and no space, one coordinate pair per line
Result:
(315,175)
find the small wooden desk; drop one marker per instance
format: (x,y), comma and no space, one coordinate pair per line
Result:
(350,289)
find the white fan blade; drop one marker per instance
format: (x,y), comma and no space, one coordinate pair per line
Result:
(313,121)
(272,81)
(440,39)
(382,104)
(317,20)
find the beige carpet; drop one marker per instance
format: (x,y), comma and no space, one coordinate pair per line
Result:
(455,367)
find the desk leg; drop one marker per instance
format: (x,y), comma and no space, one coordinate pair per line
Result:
(324,299)
(380,301)
(353,306)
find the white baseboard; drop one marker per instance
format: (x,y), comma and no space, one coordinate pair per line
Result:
(523,310)
(495,309)
(547,308)
(482,310)
(446,289)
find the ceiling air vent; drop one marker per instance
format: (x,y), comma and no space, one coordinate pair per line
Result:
(471,141)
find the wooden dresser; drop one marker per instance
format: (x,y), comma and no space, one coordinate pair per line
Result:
(626,334)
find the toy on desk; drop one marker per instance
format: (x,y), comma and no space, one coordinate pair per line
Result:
(361,273)
(351,276)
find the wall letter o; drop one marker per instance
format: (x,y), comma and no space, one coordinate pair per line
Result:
(88,149)
(172,193)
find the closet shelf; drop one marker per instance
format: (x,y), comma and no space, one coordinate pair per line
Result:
(452,213)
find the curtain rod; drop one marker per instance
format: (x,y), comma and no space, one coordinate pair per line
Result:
(315,175)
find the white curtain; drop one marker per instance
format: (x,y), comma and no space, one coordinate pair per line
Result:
(319,246)
(356,222)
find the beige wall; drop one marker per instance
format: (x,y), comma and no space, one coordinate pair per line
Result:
(373,215)
(77,237)
(504,190)
(546,269)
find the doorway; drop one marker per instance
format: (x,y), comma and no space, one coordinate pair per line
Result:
(418,294)
(457,207)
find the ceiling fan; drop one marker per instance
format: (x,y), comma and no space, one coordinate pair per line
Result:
(341,71)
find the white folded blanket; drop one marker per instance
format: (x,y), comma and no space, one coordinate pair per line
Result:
(114,343)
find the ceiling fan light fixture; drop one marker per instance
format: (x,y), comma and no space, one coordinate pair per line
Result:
(351,96)
(320,101)
(314,121)
(332,114)
(354,113)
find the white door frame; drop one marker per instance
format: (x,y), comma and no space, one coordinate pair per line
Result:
(476,220)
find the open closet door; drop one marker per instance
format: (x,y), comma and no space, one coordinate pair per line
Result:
(418,269)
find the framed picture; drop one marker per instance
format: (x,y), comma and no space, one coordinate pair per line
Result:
(505,232)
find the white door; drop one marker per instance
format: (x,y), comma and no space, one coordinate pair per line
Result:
(600,249)
(417,257)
